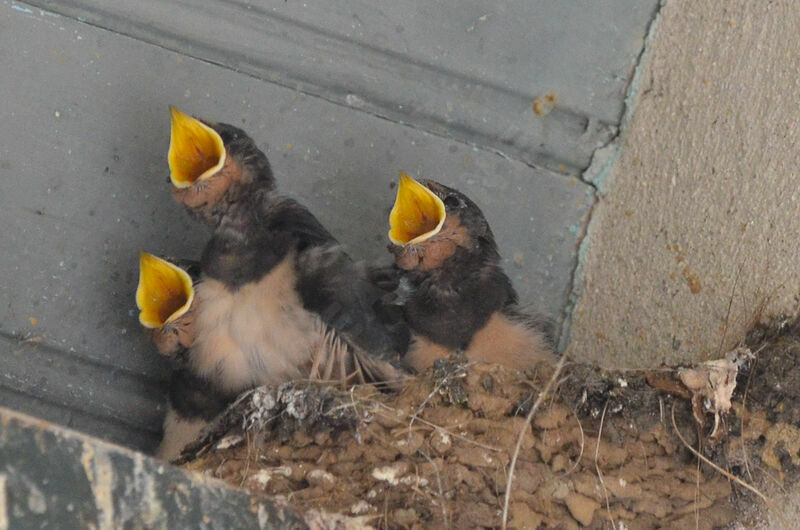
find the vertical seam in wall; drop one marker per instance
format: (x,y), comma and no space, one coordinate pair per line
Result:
(598,175)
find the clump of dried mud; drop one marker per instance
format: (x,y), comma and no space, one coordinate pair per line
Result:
(602,447)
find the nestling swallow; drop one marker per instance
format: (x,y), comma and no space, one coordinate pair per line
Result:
(278,298)
(457,295)
(165,298)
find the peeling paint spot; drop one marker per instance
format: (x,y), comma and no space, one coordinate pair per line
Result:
(543,105)
(38,438)
(263,516)
(21,9)
(150,508)
(36,502)
(354,101)
(100,474)
(3,503)
(181,498)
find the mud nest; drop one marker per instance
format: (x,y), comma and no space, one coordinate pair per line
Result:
(437,454)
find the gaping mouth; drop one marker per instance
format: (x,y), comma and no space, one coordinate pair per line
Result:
(417,215)
(196,151)
(164,293)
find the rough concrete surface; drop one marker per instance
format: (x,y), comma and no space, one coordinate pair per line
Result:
(695,234)
(52,477)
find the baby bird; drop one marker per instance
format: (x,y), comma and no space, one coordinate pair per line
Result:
(165,297)
(457,296)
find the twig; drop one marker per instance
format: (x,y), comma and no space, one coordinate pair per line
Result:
(558,386)
(386,511)
(744,413)
(247,459)
(644,453)
(715,466)
(697,496)
(521,437)
(583,444)
(597,466)
(415,487)
(439,484)
(728,313)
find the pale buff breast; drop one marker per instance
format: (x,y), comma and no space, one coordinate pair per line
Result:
(259,334)
(500,341)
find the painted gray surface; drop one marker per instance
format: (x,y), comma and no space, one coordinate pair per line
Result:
(83,169)
(466,68)
(55,478)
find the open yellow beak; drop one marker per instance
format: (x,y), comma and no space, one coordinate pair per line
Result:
(196,151)
(164,293)
(417,213)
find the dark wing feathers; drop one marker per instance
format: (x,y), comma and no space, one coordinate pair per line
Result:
(281,215)
(331,285)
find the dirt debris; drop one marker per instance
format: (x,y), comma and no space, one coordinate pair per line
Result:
(711,385)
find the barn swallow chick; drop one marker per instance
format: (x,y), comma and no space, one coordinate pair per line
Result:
(165,298)
(278,298)
(457,296)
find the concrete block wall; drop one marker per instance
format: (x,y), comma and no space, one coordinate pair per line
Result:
(694,236)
